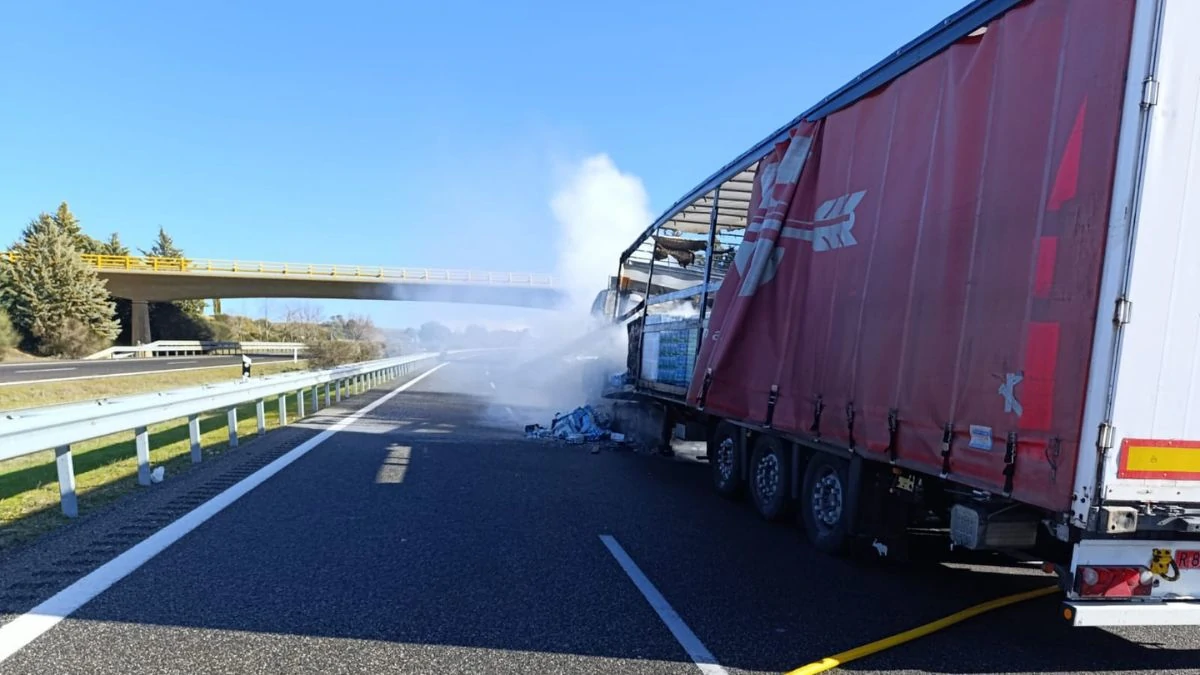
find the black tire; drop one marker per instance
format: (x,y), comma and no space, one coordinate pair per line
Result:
(823,496)
(769,477)
(724,458)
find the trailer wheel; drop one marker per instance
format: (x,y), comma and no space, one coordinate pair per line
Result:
(724,449)
(823,496)
(770,472)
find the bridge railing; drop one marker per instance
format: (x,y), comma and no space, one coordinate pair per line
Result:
(192,347)
(150,264)
(24,432)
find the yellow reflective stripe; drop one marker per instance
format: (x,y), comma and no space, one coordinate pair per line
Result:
(1170,460)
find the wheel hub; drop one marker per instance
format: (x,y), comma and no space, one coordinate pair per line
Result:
(725,459)
(766,476)
(827,498)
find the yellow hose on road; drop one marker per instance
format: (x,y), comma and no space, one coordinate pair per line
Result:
(920,631)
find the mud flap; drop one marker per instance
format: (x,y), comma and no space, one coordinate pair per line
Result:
(876,516)
(854,476)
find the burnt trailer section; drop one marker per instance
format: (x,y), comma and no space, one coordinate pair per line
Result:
(910,305)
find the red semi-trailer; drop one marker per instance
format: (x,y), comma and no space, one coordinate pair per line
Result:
(962,291)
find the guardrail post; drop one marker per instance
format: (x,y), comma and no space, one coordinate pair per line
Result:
(260,411)
(300,404)
(141,441)
(338,386)
(194,436)
(283,410)
(326,394)
(314,398)
(232,417)
(66,480)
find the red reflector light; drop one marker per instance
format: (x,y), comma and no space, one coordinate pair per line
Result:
(1113,582)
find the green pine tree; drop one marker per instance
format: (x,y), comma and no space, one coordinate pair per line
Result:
(164,247)
(53,297)
(64,219)
(113,246)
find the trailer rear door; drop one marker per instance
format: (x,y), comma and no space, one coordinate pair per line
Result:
(1154,453)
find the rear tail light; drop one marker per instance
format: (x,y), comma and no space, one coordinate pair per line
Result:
(1093,581)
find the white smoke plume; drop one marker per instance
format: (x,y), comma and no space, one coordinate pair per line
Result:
(600,211)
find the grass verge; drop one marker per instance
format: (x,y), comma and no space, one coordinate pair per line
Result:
(106,468)
(52,393)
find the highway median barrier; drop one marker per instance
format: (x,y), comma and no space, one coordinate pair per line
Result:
(33,430)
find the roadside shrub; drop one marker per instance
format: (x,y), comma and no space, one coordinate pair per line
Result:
(71,339)
(330,353)
(369,351)
(9,337)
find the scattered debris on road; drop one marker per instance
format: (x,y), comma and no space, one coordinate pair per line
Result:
(582,425)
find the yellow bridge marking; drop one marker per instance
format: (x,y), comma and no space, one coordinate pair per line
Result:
(151,265)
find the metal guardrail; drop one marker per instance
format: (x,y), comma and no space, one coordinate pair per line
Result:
(188,347)
(24,432)
(150,265)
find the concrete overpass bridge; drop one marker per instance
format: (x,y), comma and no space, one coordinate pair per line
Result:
(150,279)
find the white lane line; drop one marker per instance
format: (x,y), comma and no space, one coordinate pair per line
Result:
(44,370)
(493,384)
(171,363)
(700,655)
(26,628)
(511,413)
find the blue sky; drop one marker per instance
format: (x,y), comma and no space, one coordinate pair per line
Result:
(396,133)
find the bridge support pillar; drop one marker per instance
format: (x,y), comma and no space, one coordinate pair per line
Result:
(139,329)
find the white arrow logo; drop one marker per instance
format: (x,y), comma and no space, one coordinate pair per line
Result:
(1009,391)
(758,260)
(830,227)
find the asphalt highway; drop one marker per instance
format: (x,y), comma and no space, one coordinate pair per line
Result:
(430,536)
(52,371)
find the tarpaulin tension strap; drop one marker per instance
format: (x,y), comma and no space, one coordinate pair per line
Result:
(893,431)
(850,423)
(1053,450)
(772,399)
(1010,462)
(818,408)
(704,389)
(947,441)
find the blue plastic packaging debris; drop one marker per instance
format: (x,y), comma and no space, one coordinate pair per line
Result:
(579,426)
(619,380)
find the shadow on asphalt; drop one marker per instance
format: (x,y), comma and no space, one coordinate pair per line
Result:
(488,540)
